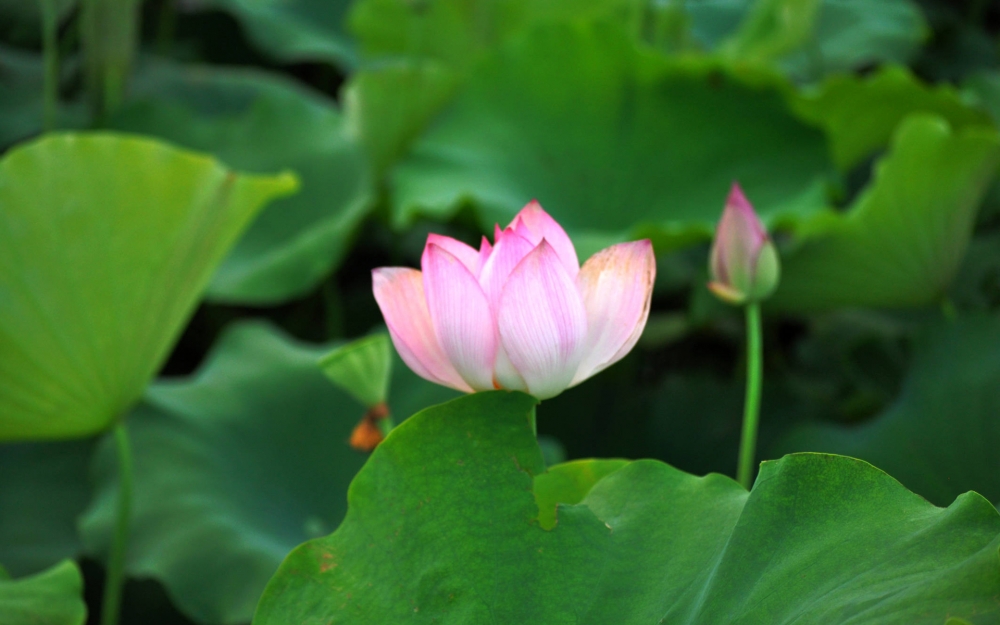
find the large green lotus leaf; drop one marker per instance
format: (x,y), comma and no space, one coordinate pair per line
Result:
(904,237)
(52,597)
(260,122)
(420,52)
(387,106)
(442,528)
(885,98)
(713,23)
(852,34)
(613,140)
(941,435)
(457,32)
(44,487)
(810,39)
(294,31)
(449,30)
(771,29)
(236,466)
(106,244)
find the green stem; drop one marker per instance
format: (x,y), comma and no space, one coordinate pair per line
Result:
(533,421)
(50,45)
(108,39)
(751,408)
(111,607)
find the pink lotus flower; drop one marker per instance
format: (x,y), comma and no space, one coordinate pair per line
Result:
(520,314)
(744,262)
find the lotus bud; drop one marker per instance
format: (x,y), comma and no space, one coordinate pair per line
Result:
(520,313)
(744,263)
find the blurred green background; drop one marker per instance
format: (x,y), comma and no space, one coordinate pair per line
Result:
(864,132)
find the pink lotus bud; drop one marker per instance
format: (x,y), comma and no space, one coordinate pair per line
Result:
(520,314)
(744,261)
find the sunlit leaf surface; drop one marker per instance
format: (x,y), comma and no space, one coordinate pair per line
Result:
(106,244)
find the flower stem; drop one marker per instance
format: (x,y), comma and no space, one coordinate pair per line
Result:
(751,407)
(108,39)
(111,606)
(50,45)
(532,420)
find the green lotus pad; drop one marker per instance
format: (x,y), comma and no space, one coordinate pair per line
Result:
(887,97)
(295,31)
(388,106)
(442,527)
(106,244)
(903,239)
(614,140)
(810,39)
(235,466)
(457,32)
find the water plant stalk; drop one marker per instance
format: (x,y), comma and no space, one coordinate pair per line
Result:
(113,583)
(50,48)
(108,38)
(751,407)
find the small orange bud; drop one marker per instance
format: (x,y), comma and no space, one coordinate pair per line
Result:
(368,432)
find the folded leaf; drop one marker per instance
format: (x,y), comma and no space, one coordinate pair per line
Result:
(52,597)
(295,31)
(902,241)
